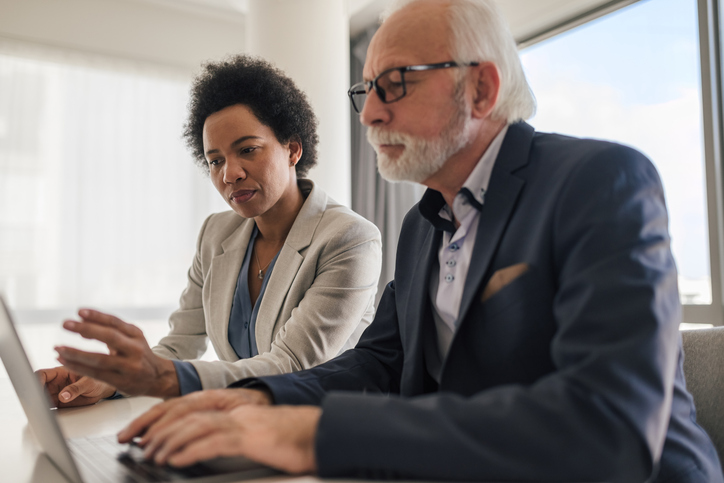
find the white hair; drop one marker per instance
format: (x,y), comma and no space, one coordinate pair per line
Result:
(481,34)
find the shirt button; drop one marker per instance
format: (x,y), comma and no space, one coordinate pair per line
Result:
(454,247)
(449,278)
(246,325)
(451,263)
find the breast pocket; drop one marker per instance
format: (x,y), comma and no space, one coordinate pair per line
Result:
(519,316)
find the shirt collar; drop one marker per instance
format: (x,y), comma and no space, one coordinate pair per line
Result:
(432,205)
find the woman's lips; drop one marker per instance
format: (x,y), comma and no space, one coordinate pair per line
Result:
(242,196)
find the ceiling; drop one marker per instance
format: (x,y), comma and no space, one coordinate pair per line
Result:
(529,19)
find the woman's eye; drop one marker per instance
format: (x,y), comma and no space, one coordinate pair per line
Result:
(213,162)
(248,150)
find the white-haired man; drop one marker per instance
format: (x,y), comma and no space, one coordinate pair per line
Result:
(531,331)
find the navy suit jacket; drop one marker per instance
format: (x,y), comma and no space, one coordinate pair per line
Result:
(570,372)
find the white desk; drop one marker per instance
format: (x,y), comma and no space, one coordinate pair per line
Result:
(20,458)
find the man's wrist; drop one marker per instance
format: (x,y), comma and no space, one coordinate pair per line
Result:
(264,396)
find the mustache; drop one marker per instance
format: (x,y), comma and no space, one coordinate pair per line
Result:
(377,136)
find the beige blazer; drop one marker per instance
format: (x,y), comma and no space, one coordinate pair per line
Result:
(317,303)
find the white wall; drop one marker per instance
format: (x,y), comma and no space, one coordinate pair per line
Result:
(133,30)
(310,41)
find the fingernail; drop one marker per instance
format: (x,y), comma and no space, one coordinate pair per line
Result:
(84,312)
(69,324)
(65,395)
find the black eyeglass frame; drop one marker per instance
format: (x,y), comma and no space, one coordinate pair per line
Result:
(365,87)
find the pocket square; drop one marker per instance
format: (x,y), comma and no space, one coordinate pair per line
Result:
(503,277)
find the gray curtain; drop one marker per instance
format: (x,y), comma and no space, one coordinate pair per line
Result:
(380,201)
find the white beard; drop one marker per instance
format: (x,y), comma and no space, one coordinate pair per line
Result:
(421,158)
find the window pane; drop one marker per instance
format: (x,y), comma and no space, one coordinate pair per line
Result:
(100,203)
(633,77)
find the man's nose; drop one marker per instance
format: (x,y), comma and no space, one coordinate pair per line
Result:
(234,171)
(374,111)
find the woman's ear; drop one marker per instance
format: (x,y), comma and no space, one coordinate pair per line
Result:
(295,151)
(486,87)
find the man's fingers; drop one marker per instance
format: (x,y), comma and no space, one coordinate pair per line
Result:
(182,432)
(139,425)
(213,445)
(177,409)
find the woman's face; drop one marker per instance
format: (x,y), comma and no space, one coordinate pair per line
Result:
(247,165)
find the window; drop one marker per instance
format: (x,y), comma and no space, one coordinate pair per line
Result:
(634,77)
(100,203)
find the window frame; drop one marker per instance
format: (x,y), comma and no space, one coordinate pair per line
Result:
(711,96)
(710,50)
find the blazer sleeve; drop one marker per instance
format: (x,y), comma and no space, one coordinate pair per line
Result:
(339,302)
(601,415)
(187,335)
(373,366)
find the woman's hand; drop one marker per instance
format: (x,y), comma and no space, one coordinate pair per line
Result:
(68,389)
(130,366)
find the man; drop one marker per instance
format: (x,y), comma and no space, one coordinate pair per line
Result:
(531,331)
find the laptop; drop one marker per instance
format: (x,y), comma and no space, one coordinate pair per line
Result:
(99,459)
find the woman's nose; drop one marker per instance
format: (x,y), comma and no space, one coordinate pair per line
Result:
(234,171)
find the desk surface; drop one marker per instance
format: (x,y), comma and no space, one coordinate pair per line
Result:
(20,458)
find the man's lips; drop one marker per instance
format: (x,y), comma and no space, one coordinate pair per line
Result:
(241,196)
(390,148)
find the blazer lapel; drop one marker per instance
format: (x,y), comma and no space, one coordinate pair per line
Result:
(223,273)
(418,310)
(287,265)
(503,191)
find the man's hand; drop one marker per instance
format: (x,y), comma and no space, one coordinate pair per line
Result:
(68,389)
(130,366)
(167,413)
(280,436)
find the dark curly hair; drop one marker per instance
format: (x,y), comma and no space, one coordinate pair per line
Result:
(270,94)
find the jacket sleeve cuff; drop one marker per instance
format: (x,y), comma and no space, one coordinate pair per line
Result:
(188,378)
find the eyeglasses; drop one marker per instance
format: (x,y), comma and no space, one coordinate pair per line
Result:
(390,84)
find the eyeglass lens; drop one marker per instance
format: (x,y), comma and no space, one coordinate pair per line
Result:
(390,87)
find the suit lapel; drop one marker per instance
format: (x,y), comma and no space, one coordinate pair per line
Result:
(500,199)
(287,265)
(224,273)
(418,309)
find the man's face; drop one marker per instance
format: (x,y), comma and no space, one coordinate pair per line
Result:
(415,136)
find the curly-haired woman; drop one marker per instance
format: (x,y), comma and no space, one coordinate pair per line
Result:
(282,282)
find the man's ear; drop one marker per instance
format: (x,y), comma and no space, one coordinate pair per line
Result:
(486,87)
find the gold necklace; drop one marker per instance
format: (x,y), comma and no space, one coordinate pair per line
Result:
(260,276)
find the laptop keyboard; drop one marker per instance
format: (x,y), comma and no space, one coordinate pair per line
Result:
(103,459)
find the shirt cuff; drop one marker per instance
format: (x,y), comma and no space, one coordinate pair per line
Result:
(188,378)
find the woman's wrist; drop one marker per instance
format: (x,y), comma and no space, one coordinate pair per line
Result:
(169,386)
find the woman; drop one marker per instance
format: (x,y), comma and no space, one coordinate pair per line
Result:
(283,282)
